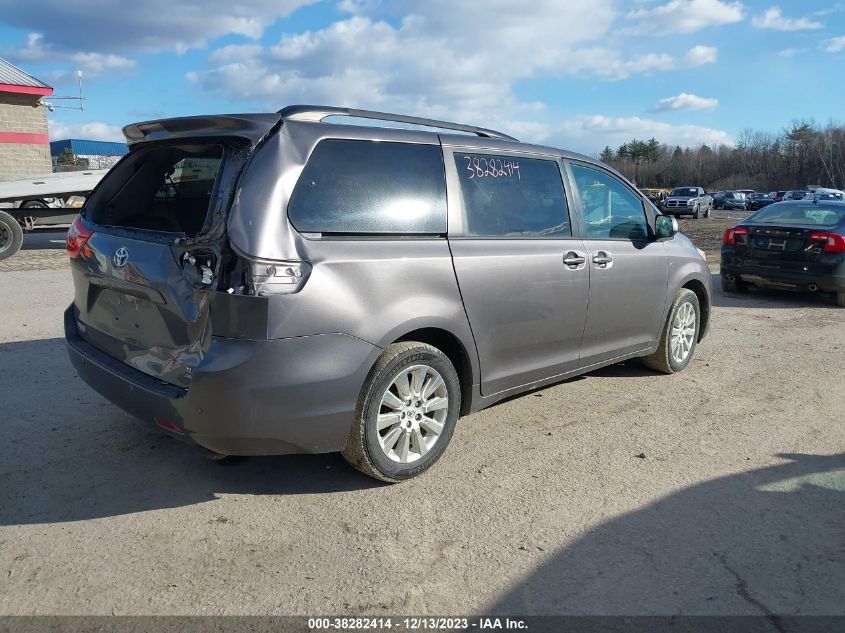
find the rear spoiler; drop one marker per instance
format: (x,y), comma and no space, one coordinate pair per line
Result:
(252,127)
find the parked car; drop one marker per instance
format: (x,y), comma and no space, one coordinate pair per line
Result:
(796,194)
(795,245)
(757,201)
(777,196)
(688,201)
(319,294)
(746,192)
(717,197)
(733,200)
(828,194)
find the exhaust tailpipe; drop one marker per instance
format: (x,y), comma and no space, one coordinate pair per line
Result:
(731,278)
(813,287)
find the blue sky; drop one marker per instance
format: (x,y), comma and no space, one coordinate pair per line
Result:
(578,74)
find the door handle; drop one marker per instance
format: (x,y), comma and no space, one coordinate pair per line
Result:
(574,260)
(603,259)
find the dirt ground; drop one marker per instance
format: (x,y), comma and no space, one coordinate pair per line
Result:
(719,490)
(707,232)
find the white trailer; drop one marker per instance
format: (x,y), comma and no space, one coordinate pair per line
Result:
(46,201)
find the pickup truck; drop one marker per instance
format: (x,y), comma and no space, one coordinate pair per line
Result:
(49,201)
(687,201)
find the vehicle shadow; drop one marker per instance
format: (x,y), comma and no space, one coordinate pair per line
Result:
(69,455)
(766,542)
(768,298)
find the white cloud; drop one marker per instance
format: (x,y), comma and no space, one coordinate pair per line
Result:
(839,7)
(588,132)
(834,44)
(773,19)
(445,60)
(791,52)
(700,55)
(96,63)
(685,16)
(685,101)
(37,50)
(93,130)
(235,53)
(152,25)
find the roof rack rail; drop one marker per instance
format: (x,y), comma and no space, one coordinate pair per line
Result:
(318,113)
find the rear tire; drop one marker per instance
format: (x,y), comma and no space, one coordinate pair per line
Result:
(840,299)
(738,285)
(11,236)
(679,337)
(414,394)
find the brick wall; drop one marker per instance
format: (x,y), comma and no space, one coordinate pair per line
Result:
(20,160)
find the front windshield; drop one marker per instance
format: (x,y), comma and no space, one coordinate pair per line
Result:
(786,214)
(684,191)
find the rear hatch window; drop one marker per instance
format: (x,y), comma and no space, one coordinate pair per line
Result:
(165,189)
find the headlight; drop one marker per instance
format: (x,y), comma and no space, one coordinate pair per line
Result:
(690,203)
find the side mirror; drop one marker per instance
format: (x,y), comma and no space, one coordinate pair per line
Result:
(665,226)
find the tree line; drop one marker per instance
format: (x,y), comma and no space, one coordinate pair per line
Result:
(802,154)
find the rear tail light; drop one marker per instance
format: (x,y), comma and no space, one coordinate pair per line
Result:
(277,277)
(729,236)
(77,237)
(833,242)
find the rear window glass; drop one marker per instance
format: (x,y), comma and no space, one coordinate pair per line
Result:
(162,189)
(506,196)
(799,214)
(368,187)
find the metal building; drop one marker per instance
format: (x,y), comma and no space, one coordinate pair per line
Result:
(98,154)
(24,144)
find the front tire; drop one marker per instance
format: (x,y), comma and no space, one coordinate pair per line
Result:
(696,212)
(406,413)
(679,337)
(11,235)
(840,299)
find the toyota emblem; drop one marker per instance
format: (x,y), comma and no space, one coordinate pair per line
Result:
(121,256)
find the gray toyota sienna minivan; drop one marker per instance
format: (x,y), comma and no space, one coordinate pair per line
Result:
(275,283)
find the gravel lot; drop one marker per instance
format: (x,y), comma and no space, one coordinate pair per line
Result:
(719,490)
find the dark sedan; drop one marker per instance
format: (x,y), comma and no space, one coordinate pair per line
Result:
(733,200)
(756,201)
(794,245)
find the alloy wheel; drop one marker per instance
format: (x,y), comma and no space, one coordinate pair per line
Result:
(682,336)
(412,413)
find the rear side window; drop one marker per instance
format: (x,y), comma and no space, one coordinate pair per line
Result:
(368,187)
(611,210)
(513,197)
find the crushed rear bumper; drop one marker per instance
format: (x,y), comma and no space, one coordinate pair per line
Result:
(247,397)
